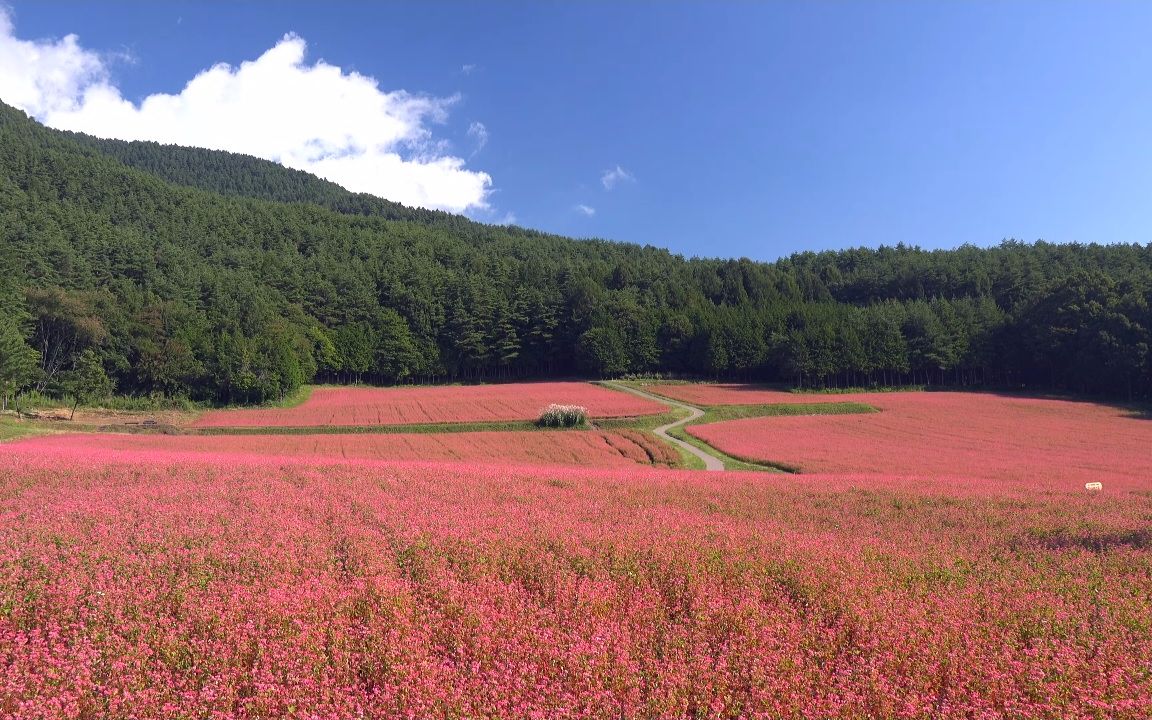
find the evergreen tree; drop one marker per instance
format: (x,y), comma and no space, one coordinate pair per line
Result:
(229,279)
(18,363)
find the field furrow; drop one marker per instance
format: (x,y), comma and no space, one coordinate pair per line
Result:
(543,447)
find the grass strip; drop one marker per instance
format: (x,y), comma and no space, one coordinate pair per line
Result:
(296,398)
(645,423)
(858,390)
(12,429)
(721,413)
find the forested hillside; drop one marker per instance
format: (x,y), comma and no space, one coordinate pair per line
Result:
(221,277)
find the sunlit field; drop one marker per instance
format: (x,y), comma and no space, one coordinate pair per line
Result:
(587,449)
(134,587)
(941,572)
(575,360)
(417,405)
(1022,442)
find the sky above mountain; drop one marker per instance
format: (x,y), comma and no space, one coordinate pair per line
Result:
(713,129)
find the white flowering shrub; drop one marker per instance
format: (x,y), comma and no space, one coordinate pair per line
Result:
(563,416)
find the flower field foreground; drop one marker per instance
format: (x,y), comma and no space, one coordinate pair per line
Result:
(582,448)
(219,588)
(1026,443)
(437,404)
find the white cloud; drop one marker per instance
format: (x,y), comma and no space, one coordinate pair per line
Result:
(589,211)
(45,76)
(615,176)
(468,69)
(479,132)
(314,117)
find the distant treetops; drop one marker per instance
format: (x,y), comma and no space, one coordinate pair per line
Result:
(220,277)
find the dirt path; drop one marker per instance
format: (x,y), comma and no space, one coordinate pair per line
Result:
(711,462)
(101,416)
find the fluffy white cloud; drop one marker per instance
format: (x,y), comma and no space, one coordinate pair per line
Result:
(613,177)
(310,116)
(478,132)
(586,210)
(45,76)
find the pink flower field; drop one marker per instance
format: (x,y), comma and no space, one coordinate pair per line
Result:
(541,447)
(1024,443)
(414,405)
(139,585)
(939,559)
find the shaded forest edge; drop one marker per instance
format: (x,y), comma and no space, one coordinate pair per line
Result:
(168,272)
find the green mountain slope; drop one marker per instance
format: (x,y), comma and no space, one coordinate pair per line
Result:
(224,277)
(246,176)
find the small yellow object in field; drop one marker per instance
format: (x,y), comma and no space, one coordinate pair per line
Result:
(1094,486)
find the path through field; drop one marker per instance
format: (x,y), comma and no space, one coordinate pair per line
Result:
(711,462)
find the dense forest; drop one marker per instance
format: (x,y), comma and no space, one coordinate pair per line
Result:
(223,278)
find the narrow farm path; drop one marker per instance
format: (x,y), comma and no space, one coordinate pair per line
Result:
(711,462)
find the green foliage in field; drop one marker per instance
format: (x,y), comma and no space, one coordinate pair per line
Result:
(720,413)
(12,428)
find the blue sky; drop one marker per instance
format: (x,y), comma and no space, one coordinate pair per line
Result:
(735,129)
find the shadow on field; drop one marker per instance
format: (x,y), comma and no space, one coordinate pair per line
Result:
(1131,409)
(1092,541)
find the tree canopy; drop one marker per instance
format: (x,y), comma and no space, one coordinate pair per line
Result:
(224,278)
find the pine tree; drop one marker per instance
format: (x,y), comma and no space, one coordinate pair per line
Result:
(18,362)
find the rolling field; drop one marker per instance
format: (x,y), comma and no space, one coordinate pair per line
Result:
(1027,443)
(131,586)
(580,448)
(947,563)
(418,405)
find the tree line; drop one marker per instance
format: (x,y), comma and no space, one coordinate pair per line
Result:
(223,278)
